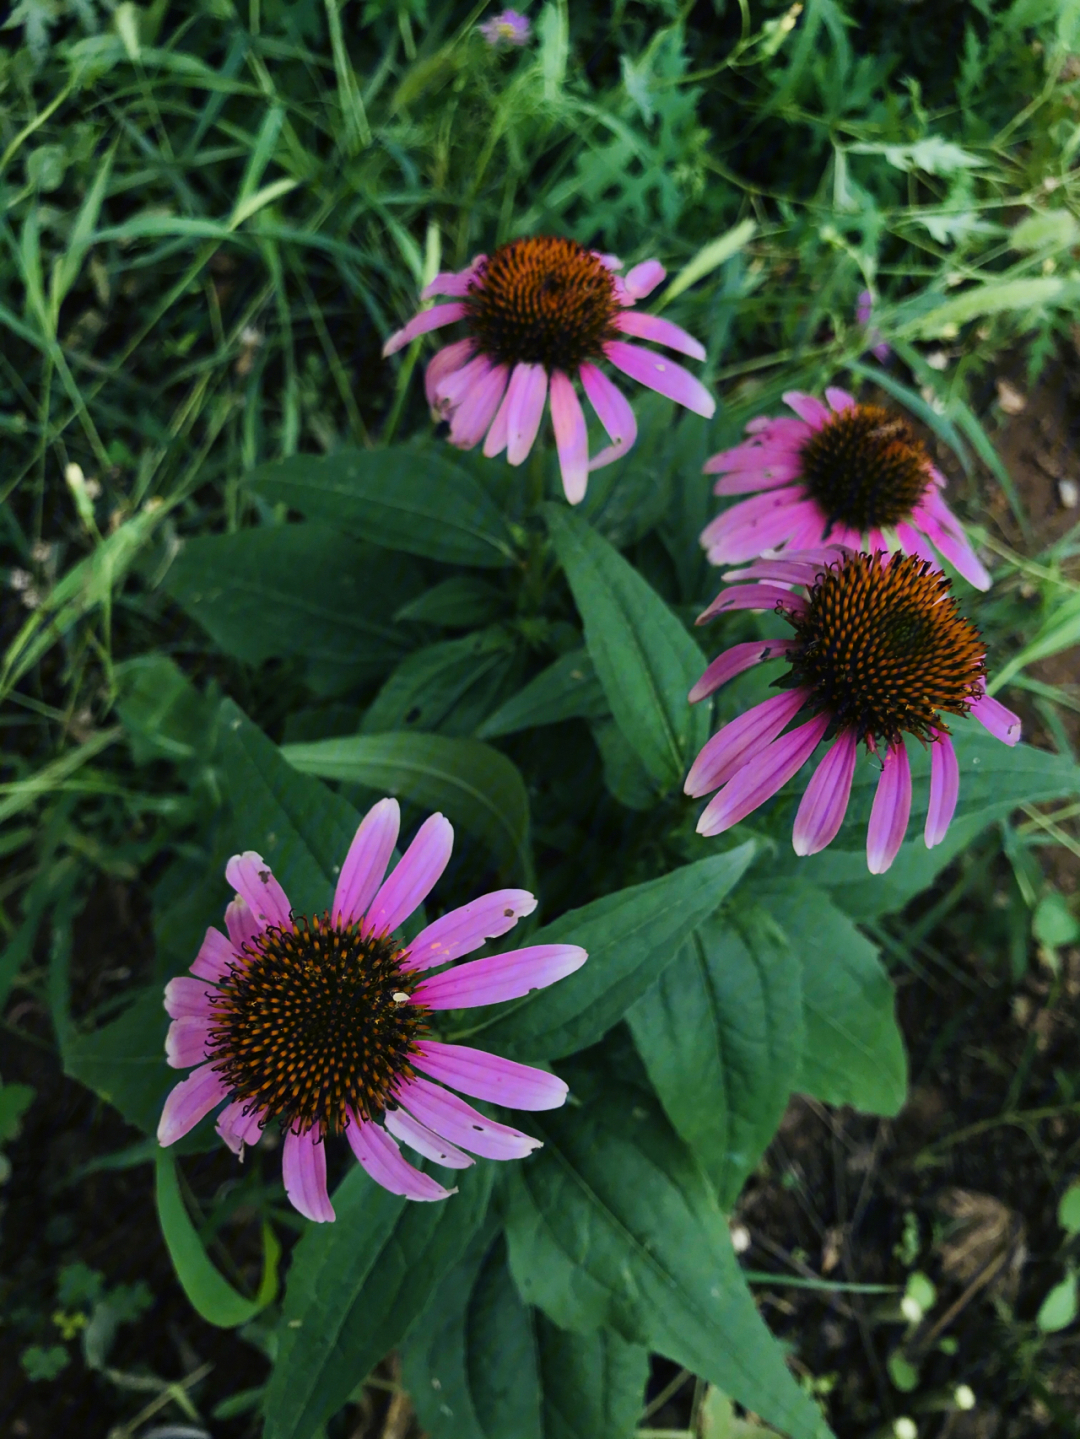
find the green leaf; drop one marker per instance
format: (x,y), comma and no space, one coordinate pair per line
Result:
(124,1061)
(15,1100)
(355,1287)
(593,1384)
(630,936)
(406,497)
(211,1296)
(450,686)
(567,689)
(645,659)
(164,714)
(624,774)
(501,1354)
(721,1035)
(613,1225)
(1060,1307)
(457,603)
(1069,1209)
(853,1052)
(476,786)
(297,590)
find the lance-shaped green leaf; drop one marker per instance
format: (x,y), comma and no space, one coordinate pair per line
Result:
(721,1035)
(631,936)
(645,659)
(567,689)
(613,1225)
(356,1286)
(406,497)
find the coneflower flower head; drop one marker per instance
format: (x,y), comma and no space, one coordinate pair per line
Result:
(506,29)
(837,474)
(539,314)
(879,650)
(323,1024)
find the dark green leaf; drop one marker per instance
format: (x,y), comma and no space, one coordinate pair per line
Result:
(408,497)
(500,1355)
(593,1385)
(476,786)
(457,603)
(645,659)
(721,1035)
(631,936)
(298,590)
(624,774)
(624,501)
(164,714)
(613,1225)
(450,686)
(355,1287)
(567,689)
(124,1061)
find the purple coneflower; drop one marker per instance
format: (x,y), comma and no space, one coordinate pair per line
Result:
(879,649)
(848,475)
(322,1023)
(539,313)
(509,28)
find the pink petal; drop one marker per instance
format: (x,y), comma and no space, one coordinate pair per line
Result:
(739,742)
(731,543)
(242,925)
(380,1156)
(250,876)
(808,408)
(839,399)
(609,262)
(473,416)
(453,282)
(913,543)
(425,1141)
(614,412)
(422,324)
(524,410)
(496,439)
(733,661)
(956,547)
(414,878)
(783,570)
(186,1042)
(303,1168)
(643,279)
(465,929)
(662,375)
(452,388)
(660,332)
(365,864)
(891,810)
(752,597)
(188,1102)
(993,716)
(748,482)
(443,364)
(944,790)
(486,1076)
(215,954)
(759,780)
(571,437)
(459,1122)
(753,455)
(188,998)
(809,533)
(237,1128)
(825,802)
(500,976)
(749,513)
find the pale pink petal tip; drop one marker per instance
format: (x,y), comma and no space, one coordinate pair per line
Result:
(825,802)
(414,878)
(891,810)
(251,877)
(242,925)
(188,1102)
(1000,722)
(466,929)
(186,1041)
(808,408)
(571,437)
(614,412)
(500,977)
(303,1168)
(643,279)
(377,1153)
(662,375)
(660,332)
(365,864)
(525,397)
(216,953)
(423,324)
(487,1076)
(446,1114)
(944,790)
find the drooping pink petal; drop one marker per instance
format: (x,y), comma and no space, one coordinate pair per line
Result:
(660,332)
(823,806)
(808,408)
(237,1128)
(496,439)
(443,364)
(733,661)
(944,790)
(303,1168)
(453,282)
(459,1122)
(662,375)
(242,925)
(752,597)
(760,779)
(379,1155)
(414,878)
(732,545)
(250,876)
(643,279)
(188,1102)
(749,482)
(487,1076)
(365,864)
(473,416)
(423,324)
(188,998)
(891,810)
(759,510)
(500,976)
(993,716)
(808,533)
(950,540)
(215,954)
(425,1141)
(609,261)
(452,388)
(524,410)
(783,570)
(754,455)
(186,1042)
(839,399)
(571,437)
(914,543)
(465,929)
(740,741)
(614,412)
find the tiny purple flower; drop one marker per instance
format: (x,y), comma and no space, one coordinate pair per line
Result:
(507,29)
